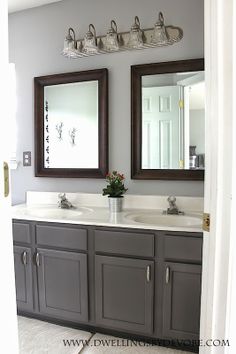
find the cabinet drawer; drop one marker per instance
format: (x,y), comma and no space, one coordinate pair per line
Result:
(183,248)
(125,243)
(21,232)
(61,237)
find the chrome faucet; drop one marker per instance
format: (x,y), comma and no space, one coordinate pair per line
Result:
(173,209)
(63,202)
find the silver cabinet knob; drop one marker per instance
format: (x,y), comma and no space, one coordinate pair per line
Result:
(148,273)
(167,275)
(24,258)
(37,259)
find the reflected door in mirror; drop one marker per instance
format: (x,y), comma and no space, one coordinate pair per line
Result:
(160,127)
(168,120)
(173,119)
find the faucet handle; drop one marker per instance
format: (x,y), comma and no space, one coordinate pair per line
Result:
(171,199)
(62,196)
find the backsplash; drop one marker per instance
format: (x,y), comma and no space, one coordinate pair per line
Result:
(194,204)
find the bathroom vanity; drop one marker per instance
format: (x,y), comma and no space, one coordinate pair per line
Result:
(134,281)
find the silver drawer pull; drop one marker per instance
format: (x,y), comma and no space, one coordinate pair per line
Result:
(148,273)
(24,258)
(167,275)
(37,259)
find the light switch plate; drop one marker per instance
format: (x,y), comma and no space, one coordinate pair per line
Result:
(27,158)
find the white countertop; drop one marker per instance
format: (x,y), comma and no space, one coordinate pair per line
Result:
(100,216)
(92,209)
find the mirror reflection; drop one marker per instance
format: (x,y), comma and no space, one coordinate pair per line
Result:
(71,125)
(173,120)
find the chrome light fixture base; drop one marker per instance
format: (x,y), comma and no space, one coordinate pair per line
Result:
(136,39)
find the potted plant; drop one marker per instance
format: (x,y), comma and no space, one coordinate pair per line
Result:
(115,190)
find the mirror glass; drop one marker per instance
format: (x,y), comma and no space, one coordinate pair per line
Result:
(167,120)
(173,120)
(71,125)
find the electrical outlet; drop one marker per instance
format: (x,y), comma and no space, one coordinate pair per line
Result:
(27,158)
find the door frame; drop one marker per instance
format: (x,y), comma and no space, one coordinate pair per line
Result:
(219,244)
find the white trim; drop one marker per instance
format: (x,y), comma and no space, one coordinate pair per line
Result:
(9,338)
(13,163)
(186,127)
(231,304)
(219,165)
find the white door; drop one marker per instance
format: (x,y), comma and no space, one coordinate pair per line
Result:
(161,127)
(218,310)
(7,293)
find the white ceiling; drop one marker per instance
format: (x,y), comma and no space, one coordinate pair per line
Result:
(18,5)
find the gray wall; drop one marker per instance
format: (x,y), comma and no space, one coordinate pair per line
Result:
(36,40)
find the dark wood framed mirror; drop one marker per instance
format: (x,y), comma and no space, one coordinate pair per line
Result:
(71,124)
(167,120)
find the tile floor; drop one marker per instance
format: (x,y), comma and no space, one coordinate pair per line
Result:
(38,337)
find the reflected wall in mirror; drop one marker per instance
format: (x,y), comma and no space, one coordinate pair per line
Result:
(168,119)
(71,124)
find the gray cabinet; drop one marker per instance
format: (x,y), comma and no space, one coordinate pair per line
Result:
(23,278)
(57,278)
(104,277)
(181,302)
(62,284)
(124,293)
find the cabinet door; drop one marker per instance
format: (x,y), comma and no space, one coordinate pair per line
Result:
(181,308)
(23,278)
(124,293)
(62,284)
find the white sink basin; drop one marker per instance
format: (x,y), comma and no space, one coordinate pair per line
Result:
(166,220)
(56,213)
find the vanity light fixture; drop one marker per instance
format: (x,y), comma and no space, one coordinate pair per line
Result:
(90,41)
(160,36)
(70,45)
(112,41)
(136,35)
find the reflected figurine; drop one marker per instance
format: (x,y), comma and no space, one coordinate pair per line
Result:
(59,130)
(72,134)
